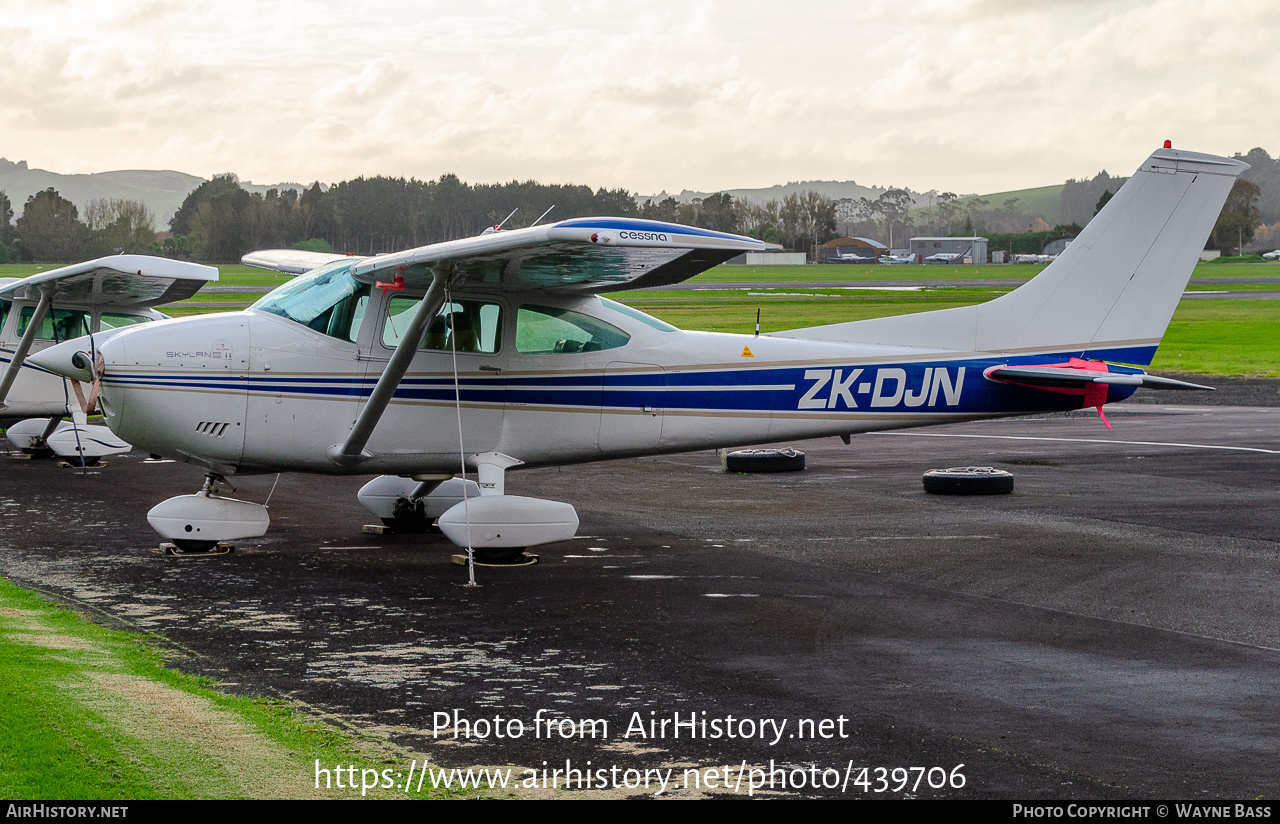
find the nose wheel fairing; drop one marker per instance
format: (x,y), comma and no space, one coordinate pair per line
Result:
(208,518)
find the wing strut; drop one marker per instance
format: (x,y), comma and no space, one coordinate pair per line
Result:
(24,345)
(352,453)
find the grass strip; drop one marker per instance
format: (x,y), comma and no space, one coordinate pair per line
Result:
(1226,336)
(92,713)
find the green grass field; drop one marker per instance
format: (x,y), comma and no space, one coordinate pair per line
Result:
(1209,337)
(853,273)
(1011,271)
(92,713)
(1222,337)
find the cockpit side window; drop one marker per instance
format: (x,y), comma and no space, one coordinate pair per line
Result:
(467,325)
(328,300)
(344,318)
(59,324)
(544,330)
(5,306)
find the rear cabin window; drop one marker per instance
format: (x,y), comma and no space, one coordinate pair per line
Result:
(4,312)
(636,314)
(543,330)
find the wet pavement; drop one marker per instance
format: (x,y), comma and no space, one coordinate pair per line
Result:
(1109,630)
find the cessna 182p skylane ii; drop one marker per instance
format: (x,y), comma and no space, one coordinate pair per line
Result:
(351,367)
(38,311)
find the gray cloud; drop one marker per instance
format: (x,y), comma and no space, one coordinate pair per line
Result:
(967,96)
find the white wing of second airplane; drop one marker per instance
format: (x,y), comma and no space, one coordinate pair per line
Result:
(119,280)
(291,261)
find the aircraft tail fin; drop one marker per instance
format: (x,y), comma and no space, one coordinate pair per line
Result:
(1109,295)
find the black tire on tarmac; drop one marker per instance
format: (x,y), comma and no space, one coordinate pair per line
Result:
(497,556)
(194,546)
(408,517)
(764,460)
(968,480)
(408,525)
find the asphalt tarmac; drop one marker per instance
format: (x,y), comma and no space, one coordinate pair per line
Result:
(1111,629)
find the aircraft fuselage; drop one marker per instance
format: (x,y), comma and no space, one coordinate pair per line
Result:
(252,391)
(37,392)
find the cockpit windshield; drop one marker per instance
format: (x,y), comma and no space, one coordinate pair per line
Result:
(328,300)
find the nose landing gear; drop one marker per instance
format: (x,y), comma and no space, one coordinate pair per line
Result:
(200,522)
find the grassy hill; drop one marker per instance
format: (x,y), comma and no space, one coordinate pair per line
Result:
(1044,202)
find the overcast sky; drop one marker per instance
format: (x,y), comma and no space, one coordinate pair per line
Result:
(959,95)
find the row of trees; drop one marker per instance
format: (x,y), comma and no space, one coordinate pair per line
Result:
(1234,230)
(887,219)
(798,222)
(892,218)
(220,221)
(51,229)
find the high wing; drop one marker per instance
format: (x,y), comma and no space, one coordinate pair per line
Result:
(592,254)
(586,255)
(291,261)
(120,280)
(132,281)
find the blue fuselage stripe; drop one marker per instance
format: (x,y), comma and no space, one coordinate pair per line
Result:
(941,386)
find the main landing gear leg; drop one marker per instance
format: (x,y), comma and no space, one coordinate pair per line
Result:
(200,522)
(50,428)
(411,505)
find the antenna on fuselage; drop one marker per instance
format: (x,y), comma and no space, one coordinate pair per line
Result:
(541,216)
(757,321)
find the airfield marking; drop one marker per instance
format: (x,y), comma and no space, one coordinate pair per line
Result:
(1085,440)
(908,538)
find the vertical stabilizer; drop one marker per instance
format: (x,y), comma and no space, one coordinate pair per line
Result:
(1110,294)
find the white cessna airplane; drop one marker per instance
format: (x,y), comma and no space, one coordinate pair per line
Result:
(499,349)
(38,311)
(947,257)
(853,257)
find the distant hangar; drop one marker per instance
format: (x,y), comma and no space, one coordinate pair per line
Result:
(966,249)
(850,249)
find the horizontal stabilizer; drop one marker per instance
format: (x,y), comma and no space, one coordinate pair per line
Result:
(1053,377)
